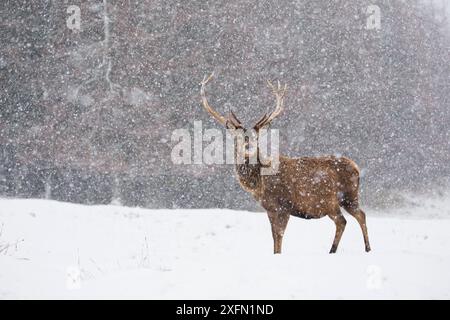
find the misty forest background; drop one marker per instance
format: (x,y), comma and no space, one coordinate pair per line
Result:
(88,116)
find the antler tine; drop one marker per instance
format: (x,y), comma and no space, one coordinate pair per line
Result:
(278,89)
(271,85)
(206,79)
(206,105)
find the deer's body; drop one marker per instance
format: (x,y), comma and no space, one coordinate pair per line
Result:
(308,187)
(303,187)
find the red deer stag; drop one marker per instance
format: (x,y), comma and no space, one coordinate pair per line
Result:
(306,187)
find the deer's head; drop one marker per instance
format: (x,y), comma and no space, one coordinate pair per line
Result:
(249,142)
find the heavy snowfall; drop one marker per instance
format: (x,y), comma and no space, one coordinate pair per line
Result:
(92,204)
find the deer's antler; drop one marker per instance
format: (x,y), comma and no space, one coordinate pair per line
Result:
(206,105)
(232,119)
(279,92)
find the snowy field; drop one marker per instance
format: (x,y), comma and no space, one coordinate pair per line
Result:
(50,249)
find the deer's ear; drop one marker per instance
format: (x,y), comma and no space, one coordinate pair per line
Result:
(264,127)
(230,125)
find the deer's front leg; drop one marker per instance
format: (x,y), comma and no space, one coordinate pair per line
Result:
(278,222)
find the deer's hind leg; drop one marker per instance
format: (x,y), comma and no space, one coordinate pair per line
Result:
(340,222)
(360,216)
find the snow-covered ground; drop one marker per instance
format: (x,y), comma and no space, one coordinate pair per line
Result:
(50,249)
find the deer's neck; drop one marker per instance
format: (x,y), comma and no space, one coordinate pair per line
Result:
(249,176)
